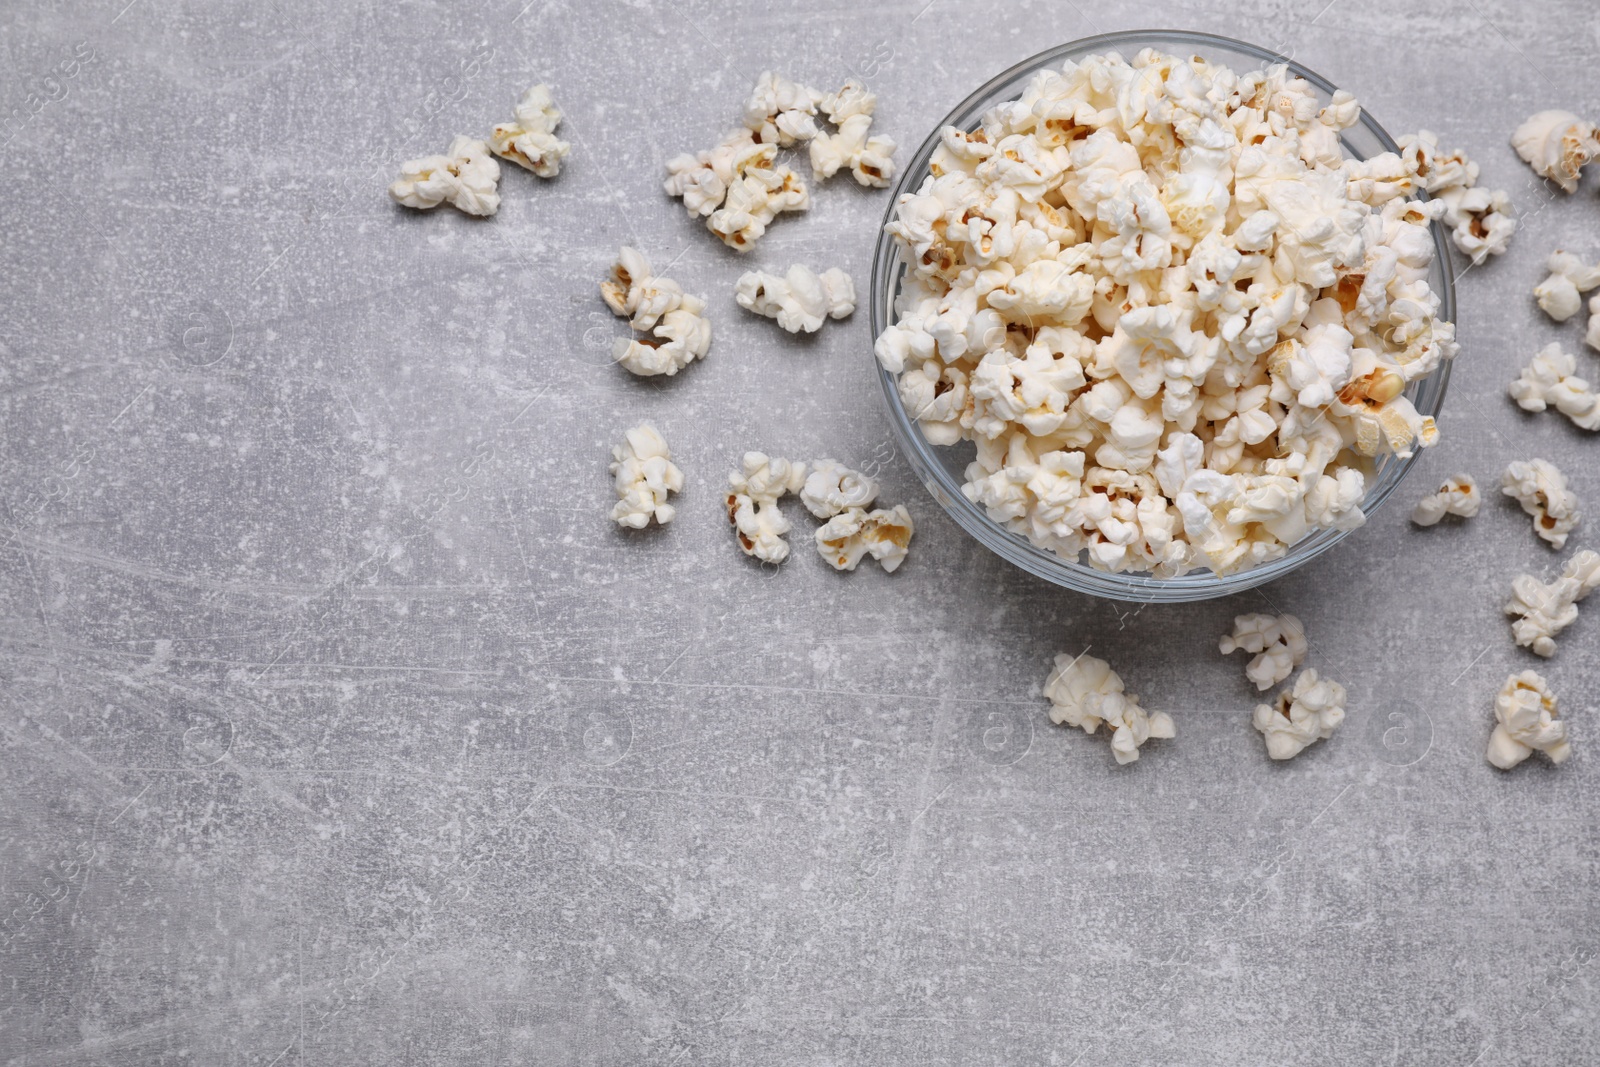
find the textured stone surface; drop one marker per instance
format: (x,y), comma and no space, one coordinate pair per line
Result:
(339,726)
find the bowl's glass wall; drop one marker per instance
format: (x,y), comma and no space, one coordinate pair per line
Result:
(942,469)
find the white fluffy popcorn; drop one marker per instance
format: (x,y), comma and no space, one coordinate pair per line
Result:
(831,487)
(1550,380)
(800,299)
(677,331)
(1278,641)
(530,139)
(644,474)
(867,157)
(1591,336)
(1560,294)
(1174,322)
(1557,145)
(739,187)
(884,534)
(1480,220)
(466,177)
(1457,496)
(1542,491)
(752,502)
(1086,692)
(1525,722)
(1544,609)
(1308,713)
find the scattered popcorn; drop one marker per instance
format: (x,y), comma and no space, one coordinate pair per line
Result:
(1172,319)
(1551,381)
(466,177)
(798,299)
(1086,692)
(1557,145)
(679,333)
(1544,609)
(1457,496)
(1480,220)
(753,504)
(1542,491)
(1559,295)
(1591,336)
(1279,642)
(530,141)
(644,472)
(883,534)
(1525,714)
(1307,714)
(831,488)
(739,187)
(850,110)
(780,111)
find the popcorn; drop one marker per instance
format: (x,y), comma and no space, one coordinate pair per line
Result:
(1550,381)
(831,488)
(738,186)
(1086,692)
(1480,220)
(1557,145)
(1279,642)
(1457,496)
(1542,491)
(679,332)
(885,535)
(1591,336)
(1544,609)
(1559,294)
(781,111)
(466,176)
(1525,721)
(798,299)
(753,504)
(850,110)
(644,474)
(1175,323)
(1308,713)
(530,140)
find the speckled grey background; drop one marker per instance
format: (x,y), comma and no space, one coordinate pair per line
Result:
(340,726)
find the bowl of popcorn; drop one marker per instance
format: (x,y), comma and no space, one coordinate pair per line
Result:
(1163,315)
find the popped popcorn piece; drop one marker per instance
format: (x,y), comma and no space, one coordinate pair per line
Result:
(737,186)
(1085,692)
(1173,321)
(850,110)
(530,139)
(1551,381)
(1525,721)
(800,298)
(1457,496)
(1557,145)
(1308,713)
(781,111)
(1279,642)
(883,534)
(1544,609)
(466,177)
(1542,491)
(1591,336)
(1480,220)
(1559,295)
(678,331)
(644,474)
(753,510)
(831,487)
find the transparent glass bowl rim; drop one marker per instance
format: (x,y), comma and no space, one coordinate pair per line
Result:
(1427,394)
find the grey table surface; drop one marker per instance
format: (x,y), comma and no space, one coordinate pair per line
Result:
(339,726)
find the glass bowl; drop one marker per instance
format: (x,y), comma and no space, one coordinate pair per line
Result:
(941,468)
